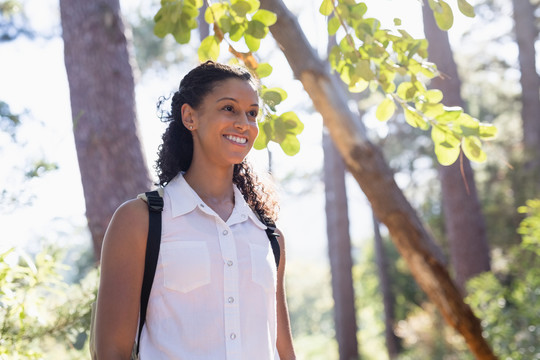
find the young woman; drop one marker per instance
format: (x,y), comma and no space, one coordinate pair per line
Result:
(216,292)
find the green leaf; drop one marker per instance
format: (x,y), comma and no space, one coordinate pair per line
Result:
(252,43)
(257,29)
(346,74)
(214,12)
(190,10)
(241,8)
(161,28)
(265,132)
(358,10)
(397,22)
(327,7)
(415,119)
(273,96)
(209,48)
(450,114)
(466,8)
(385,110)
(359,86)
(236,32)
(446,145)
(290,145)
(291,123)
(431,110)
(333,25)
(434,96)
(255,4)
(406,91)
(263,70)
(472,148)
(466,125)
(363,69)
(266,17)
(443,16)
(487,131)
(182,33)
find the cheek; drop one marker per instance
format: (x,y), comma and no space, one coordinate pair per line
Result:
(254,130)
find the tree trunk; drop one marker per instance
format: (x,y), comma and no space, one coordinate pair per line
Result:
(339,251)
(526,34)
(464,221)
(393,345)
(102,92)
(366,163)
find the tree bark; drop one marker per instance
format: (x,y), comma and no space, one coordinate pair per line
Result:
(526,34)
(339,251)
(102,92)
(366,163)
(464,220)
(393,345)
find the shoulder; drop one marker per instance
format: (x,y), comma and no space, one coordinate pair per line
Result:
(281,238)
(128,226)
(132,213)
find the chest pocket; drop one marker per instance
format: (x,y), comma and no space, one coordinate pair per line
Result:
(262,271)
(186,265)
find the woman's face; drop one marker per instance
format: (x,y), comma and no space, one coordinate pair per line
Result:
(225,123)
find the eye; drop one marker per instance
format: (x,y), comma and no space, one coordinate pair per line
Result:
(228,108)
(253,113)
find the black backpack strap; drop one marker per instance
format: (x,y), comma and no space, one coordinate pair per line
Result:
(154,201)
(272,236)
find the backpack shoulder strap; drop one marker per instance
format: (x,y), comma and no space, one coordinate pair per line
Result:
(154,200)
(272,236)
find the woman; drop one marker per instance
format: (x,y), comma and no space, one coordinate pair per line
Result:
(216,292)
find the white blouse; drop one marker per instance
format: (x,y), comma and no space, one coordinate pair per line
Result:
(214,291)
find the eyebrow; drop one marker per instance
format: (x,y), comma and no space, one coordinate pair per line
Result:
(233,99)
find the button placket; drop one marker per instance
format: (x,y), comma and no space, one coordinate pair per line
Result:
(230,287)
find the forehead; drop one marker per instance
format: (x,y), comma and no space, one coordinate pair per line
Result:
(235,88)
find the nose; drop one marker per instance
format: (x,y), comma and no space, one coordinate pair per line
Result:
(242,122)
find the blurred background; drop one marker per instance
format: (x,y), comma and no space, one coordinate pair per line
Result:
(48,272)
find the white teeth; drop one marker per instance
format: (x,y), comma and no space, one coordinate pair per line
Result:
(236,139)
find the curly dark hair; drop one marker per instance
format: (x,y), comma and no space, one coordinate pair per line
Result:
(176,151)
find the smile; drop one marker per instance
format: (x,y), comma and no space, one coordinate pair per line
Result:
(236,139)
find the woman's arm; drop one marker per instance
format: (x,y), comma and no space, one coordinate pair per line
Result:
(284,336)
(122,267)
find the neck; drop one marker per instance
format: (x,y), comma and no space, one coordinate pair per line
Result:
(210,183)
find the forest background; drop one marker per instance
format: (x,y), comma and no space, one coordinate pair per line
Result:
(394,318)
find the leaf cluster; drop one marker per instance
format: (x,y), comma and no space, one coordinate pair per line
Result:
(368,56)
(509,302)
(232,22)
(37,306)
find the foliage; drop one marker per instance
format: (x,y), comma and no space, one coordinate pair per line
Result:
(509,302)
(232,22)
(150,51)
(8,120)
(39,312)
(16,193)
(13,21)
(366,56)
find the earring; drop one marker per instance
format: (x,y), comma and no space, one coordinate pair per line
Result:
(190,127)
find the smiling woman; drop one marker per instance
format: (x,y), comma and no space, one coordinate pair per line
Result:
(216,291)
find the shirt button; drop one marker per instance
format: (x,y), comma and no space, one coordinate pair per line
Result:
(233,336)
(229,263)
(225,232)
(230,299)
(202,205)
(244,216)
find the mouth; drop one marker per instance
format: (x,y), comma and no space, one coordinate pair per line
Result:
(240,140)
